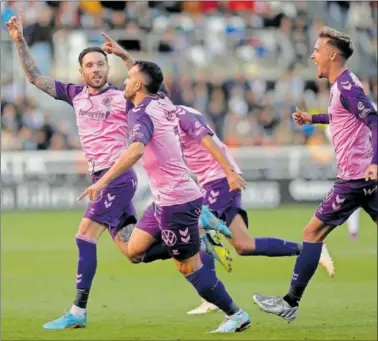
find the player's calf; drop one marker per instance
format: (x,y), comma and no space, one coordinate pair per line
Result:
(211,289)
(247,245)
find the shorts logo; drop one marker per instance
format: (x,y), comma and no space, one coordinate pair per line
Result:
(213,195)
(370,191)
(109,201)
(184,235)
(169,237)
(337,203)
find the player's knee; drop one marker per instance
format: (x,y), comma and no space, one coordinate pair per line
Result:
(185,269)
(90,229)
(311,235)
(136,259)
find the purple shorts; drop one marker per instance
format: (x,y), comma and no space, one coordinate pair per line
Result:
(223,203)
(176,225)
(114,207)
(344,198)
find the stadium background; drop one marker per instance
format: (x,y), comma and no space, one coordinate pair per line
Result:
(246,66)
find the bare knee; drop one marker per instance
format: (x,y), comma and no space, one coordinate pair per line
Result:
(90,229)
(188,266)
(316,231)
(133,257)
(136,259)
(185,269)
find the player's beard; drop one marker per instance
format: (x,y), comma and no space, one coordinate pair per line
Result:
(129,96)
(98,85)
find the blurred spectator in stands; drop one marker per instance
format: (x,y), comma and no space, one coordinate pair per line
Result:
(132,37)
(216,114)
(67,15)
(167,42)
(10,117)
(289,87)
(32,116)
(10,140)
(40,39)
(27,139)
(57,142)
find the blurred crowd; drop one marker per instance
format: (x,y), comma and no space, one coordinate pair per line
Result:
(243,110)
(25,127)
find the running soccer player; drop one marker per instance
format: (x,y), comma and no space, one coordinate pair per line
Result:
(353,222)
(102,124)
(174,214)
(208,158)
(352,119)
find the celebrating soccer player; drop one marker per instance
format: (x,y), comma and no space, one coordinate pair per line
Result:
(102,124)
(354,123)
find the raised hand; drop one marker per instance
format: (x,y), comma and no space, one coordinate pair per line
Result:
(15,28)
(300,117)
(111,47)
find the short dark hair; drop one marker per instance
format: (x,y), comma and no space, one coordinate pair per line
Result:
(164,89)
(340,40)
(91,49)
(154,75)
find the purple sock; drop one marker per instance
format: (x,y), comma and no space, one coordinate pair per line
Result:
(210,288)
(304,269)
(86,269)
(207,261)
(274,247)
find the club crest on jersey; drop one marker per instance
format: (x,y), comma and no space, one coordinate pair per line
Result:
(107,101)
(170,115)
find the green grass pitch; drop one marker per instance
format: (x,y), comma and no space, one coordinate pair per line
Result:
(149,301)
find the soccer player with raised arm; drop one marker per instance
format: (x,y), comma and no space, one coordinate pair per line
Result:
(354,123)
(174,214)
(102,125)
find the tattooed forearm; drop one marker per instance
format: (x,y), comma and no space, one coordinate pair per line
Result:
(128,60)
(45,83)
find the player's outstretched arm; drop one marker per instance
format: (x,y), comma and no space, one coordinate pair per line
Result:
(301,117)
(111,47)
(34,75)
(127,159)
(235,181)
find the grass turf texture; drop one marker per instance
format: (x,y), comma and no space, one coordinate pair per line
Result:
(149,301)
